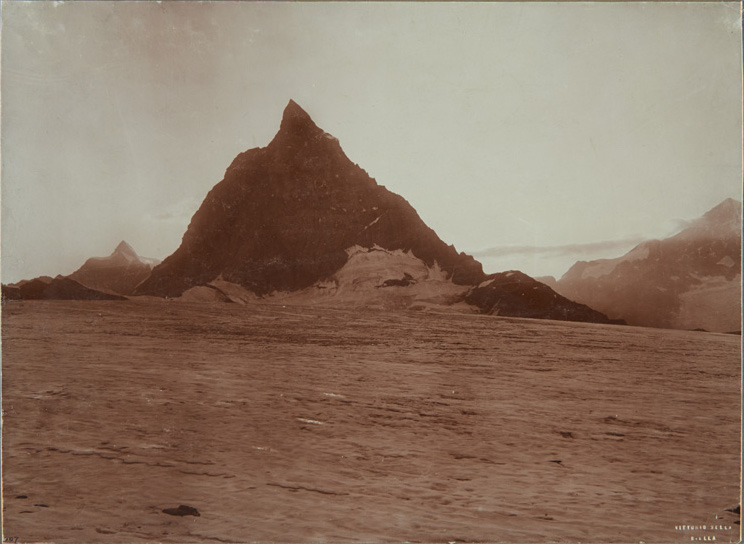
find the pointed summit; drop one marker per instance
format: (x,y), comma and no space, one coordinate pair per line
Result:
(296,124)
(294,111)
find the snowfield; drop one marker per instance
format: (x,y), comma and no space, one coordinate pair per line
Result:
(154,421)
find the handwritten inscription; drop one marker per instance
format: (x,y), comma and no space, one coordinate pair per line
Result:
(701,529)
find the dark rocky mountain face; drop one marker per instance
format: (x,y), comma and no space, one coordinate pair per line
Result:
(118,273)
(515,294)
(284,215)
(691,280)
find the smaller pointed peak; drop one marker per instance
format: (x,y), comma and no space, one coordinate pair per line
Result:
(124,246)
(125,249)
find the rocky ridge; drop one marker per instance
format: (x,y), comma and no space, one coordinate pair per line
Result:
(58,288)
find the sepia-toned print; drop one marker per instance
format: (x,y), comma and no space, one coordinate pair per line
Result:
(371,272)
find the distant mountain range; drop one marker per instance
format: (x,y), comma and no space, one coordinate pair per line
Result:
(689,281)
(297,221)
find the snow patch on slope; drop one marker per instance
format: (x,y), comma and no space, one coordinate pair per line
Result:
(371,267)
(372,223)
(219,290)
(378,277)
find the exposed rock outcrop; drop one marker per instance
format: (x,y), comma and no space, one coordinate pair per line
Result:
(516,294)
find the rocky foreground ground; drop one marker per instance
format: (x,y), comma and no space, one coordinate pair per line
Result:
(171,422)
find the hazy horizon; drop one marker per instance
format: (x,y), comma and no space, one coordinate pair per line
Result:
(529,135)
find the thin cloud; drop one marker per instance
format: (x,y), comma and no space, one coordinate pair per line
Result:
(558,251)
(181,210)
(681,224)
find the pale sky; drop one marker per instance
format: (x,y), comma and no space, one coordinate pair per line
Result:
(528,134)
